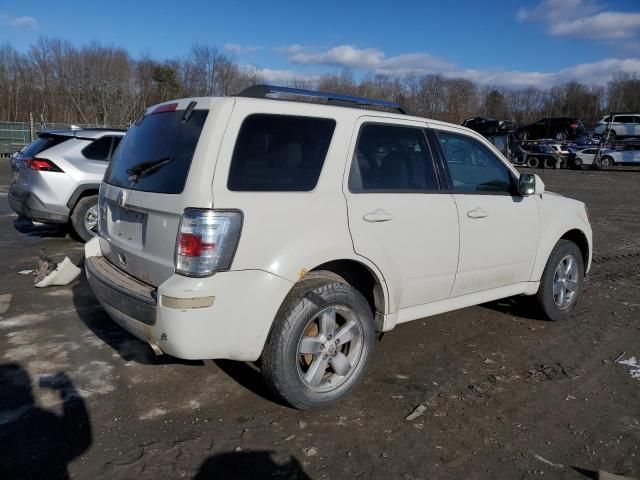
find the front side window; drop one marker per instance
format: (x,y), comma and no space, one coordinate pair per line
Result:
(280,153)
(473,168)
(393,159)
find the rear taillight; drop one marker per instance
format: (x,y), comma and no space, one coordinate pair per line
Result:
(42,164)
(207,241)
(575,125)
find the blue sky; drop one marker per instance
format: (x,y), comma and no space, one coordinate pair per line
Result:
(517,43)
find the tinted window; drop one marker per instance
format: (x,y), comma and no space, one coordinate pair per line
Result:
(590,151)
(392,158)
(279,153)
(636,119)
(472,166)
(155,155)
(605,119)
(623,119)
(42,143)
(98,149)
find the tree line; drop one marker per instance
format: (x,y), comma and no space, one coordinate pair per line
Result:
(57,82)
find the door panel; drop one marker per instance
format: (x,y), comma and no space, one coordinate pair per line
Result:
(398,217)
(498,230)
(498,248)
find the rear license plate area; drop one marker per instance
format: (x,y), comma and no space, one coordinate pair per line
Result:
(125,225)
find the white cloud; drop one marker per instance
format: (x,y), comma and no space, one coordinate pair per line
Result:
(605,25)
(24,22)
(19,22)
(582,19)
(375,61)
(238,49)
(348,56)
(595,73)
(281,76)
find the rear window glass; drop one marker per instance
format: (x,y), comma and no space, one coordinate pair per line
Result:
(623,119)
(279,153)
(156,153)
(42,143)
(98,149)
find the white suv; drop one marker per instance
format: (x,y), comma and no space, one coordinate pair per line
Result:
(254,228)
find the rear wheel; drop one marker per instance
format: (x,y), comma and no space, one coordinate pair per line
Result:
(611,136)
(577,163)
(561,281)
(84,218)
(606,161)
(320,344)
(550,163)
(533,162)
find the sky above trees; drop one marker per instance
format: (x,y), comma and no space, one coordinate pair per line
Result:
(517,44)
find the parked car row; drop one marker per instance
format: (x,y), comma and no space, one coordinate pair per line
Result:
(563,141)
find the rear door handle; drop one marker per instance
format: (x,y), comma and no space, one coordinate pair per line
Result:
(477,212)
(377,216)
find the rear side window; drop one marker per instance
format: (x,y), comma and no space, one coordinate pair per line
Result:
(473,167)
(155,155)
(42,143)
(391,158)
(279,153)
(99,149)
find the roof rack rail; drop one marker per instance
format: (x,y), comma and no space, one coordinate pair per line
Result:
(261,91)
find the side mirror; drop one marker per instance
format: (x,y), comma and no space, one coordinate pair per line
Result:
(530,184)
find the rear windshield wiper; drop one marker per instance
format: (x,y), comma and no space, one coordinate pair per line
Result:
(144,168)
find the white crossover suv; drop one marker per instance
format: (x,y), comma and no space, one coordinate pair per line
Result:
(255,228)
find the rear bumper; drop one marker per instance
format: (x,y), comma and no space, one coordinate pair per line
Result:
(227,315)
(30,206)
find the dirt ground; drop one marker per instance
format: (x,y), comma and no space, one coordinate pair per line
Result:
(507,395)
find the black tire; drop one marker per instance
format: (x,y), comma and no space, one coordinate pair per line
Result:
(611,137)
(545,297)
(561,136)
(577,163)
(606,161)
(78,217)
(550,162)
(281,360)
(533,162)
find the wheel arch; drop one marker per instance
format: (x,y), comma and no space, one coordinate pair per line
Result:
(362,278)
(82,191)
(578,237)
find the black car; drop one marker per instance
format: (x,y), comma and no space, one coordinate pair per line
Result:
(559,128)
(487,126)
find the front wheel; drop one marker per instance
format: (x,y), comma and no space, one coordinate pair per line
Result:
(561,282)
(320,344)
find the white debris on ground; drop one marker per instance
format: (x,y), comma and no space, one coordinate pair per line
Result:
(634,364)
(419,411)
(64,273)
(5,302)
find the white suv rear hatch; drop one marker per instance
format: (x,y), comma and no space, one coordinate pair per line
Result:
(147,185)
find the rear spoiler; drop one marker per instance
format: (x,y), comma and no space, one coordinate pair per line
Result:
(68,134)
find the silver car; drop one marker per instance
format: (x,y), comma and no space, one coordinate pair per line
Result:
(56,178)
(621,125)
